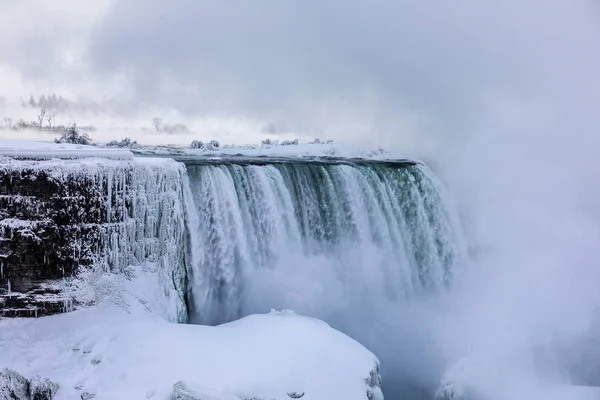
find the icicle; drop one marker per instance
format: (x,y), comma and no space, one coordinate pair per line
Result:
(9,287)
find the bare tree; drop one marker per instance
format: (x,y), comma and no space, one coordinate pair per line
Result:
(41,116)
(8,122)
(51,118)
(157,123)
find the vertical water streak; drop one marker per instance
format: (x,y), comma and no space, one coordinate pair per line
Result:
(376,230)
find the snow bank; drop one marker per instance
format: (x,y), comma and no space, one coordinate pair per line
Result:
(125,353)
(49,150)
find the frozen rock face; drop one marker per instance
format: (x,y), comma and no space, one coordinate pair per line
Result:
(59,219)
(42,388)
(13,386)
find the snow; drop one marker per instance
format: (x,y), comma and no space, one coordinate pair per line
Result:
(302,150)
(120,352)
(49,150)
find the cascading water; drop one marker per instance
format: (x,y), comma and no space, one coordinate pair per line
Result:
(359,245)
(304,235)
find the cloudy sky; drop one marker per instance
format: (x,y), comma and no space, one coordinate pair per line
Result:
(344,67)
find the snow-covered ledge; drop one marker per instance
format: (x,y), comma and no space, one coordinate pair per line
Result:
(24,149)
(118,350)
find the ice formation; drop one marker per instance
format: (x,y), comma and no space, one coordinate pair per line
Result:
(113,216)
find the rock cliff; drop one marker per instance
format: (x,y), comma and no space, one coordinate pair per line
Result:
(60,218)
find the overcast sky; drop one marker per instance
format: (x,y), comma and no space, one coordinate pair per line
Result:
(394,65)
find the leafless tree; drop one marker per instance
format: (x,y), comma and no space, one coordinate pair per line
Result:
(51,118)
(41,116)
(157,123)
(8,122)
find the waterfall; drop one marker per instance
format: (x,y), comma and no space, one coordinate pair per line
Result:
(273,233)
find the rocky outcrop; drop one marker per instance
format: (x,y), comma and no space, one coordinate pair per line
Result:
(42,388)
(373,382)
(14,386)
(58,218)
(190,391)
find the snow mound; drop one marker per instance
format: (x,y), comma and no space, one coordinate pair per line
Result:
(47,150)
(116,353)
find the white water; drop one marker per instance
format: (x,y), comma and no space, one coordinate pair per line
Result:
(356,245)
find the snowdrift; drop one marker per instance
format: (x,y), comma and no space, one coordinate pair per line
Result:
(123,352)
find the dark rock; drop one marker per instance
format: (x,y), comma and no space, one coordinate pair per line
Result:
(87,395)
(58,221)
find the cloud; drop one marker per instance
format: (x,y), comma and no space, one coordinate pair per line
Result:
(397,67)
(281,49)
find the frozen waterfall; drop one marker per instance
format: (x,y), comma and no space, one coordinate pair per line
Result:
(284,233)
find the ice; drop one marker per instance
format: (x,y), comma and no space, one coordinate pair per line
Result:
(120,352)
(141,231)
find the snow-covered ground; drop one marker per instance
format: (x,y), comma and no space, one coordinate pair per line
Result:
(48,149)
(333,149)
(29,148)
(118,350)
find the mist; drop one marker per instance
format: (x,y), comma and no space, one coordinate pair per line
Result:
(500,98)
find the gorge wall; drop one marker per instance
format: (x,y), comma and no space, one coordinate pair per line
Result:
(65,219)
